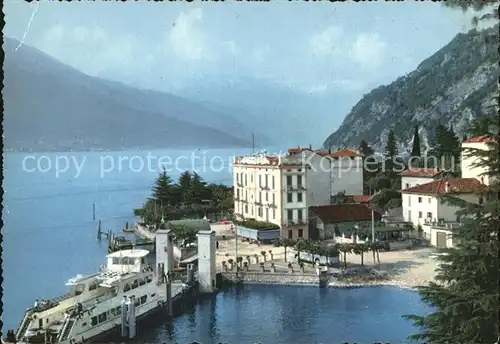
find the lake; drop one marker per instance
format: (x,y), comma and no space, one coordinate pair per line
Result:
(50,236)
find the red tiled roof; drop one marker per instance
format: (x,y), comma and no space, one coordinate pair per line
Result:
(336,213)
(480,139)
(298,150)
(361,198)
(420,172)
(456,186)
(345,153)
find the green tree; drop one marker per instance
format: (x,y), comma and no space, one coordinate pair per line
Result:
(415,151)
(370,165)
(465,292)
(391,149)
(163,189)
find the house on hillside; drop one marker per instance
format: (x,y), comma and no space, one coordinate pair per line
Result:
(418,176)
(325,221)
(423,204)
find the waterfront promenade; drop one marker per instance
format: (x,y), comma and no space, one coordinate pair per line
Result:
(405,268)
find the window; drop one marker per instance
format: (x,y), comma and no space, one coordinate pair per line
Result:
(143,299)
(116,261)
(274,213)
(301,233)
(93,285)
(407,185)
(267,197)
(266,181)
(135,284)
(420,200)
(289,214)
(246,208)
(260,180)
(102,317)
(126,287)
(289,197)
(137,302)
(299,181)
(149,279)
(251,178)
(288,180)
(237,193)
(419,214)
(93,321)
(290,234)
(429,215)
(272,182)
(142,281)
(252,210)
(260,197)
(409,201)
(246,180)
(299,197)
(299,214)
(429,200)
(273,199)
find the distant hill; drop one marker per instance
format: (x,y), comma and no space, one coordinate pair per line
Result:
(52,106)
(455,85)
(287,115)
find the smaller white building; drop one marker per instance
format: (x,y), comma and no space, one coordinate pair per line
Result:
(423,204)
(418,176)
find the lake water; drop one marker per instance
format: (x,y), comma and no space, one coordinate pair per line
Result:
(50,236)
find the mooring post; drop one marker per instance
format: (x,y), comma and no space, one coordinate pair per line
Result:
(99,230)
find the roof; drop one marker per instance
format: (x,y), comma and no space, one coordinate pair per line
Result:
(420,172)
(456,186)
(199,224)
(345,153)
(134,253)
(361,198)
(480,139)
(337,213)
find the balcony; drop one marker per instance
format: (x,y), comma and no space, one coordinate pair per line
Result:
(264,187)
(442,224)
(295,188)
(238,183)
(259,203)
(237,198)
(293,223)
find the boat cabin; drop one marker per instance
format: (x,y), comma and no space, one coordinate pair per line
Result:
(127,261)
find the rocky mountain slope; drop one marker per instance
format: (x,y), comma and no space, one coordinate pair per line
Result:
(51,106)
(453,86)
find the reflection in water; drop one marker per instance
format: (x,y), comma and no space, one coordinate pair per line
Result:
(288,315)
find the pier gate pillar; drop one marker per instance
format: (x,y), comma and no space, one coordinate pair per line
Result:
(206,261)
(165,262)
(165,250)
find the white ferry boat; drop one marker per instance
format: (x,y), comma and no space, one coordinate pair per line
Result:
(94,303)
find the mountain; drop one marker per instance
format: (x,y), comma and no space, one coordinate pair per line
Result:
(291,117)
(51,106)
(455,85)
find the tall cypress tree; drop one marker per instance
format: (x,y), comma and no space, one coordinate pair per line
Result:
(466,293)
(415,151)
(391,149)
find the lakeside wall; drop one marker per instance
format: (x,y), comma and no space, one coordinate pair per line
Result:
(277,278)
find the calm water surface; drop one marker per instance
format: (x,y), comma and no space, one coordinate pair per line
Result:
(50,236)
(289,315)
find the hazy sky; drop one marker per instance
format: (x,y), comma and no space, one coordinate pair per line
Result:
(312,47)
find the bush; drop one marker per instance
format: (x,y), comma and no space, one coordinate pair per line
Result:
(260,225)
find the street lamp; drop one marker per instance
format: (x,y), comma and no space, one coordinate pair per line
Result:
(235,246)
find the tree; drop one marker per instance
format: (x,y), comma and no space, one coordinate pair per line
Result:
(477,6)
(391,149)
(415,151)
(465,293)
(365,149)
(163,190)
